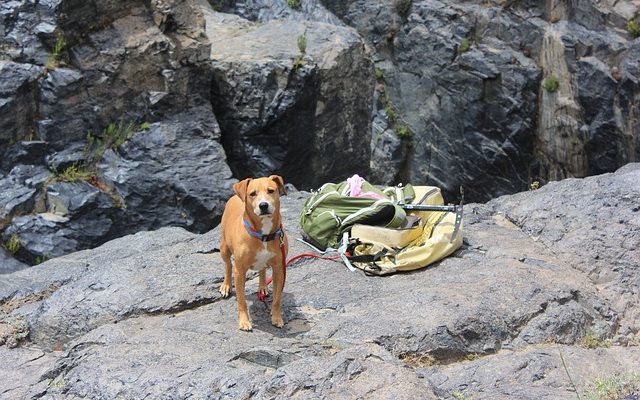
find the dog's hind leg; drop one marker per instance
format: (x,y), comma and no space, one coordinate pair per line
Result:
(225,288)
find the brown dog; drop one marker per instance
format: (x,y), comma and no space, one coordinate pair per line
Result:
(252,233)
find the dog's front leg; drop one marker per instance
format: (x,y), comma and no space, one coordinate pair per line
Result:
(244,320)
(278,284)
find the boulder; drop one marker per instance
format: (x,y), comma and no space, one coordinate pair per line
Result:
(18,100)
(307,122)
(191,193)
(8,264)
(510,314)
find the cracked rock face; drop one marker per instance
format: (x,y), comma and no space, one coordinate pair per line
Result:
(122,63)
(308,122)
(141,315)
(468,79)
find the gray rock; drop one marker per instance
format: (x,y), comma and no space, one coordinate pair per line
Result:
(536,373)
(601,211)
(8,264)
(191,193)
(73,154)
(42,236)
(27,30)
(15,199)
(18,100)
(29,152)
(267,10)
(311,124)
(481,118)
(143,312)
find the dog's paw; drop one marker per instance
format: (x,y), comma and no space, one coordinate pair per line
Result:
(263,292)
(245,326)
(225,290)
(277,321)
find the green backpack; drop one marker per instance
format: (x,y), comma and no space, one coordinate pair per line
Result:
(331,211)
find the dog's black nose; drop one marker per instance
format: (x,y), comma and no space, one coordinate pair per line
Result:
(264,206)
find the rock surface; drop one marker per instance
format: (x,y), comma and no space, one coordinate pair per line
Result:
(141,315)
(468,79)
(310,122)
(79,68)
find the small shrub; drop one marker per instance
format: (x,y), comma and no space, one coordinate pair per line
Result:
(418,360)
(459,396)
(302,44)
(592,341)
(535,185)
(217,5)
(403,131)
(391,113)
(113,136)
(472,356)
(617,386)
(402,7)
(379,74)
(464,46)
(41,259)
(53,59)
(297,64)
(13,244)
(552,83)
(74,173)
(633,28)
(294,3)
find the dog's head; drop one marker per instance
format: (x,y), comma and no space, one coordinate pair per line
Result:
(261,196)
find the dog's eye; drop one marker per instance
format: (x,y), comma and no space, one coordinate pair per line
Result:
(253,194)
(271,191)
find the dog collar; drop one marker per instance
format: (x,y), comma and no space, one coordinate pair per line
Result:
(261,236)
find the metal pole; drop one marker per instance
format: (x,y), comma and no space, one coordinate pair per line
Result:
(427,207)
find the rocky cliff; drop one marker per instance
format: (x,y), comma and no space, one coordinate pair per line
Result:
(540,302)
(119,116)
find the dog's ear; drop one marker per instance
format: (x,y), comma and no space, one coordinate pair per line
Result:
(241,188)
(278,179)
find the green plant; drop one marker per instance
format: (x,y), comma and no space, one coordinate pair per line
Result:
(297,64)
(472,356)
(403,131)
(552,83)
(379,74)
(13,244)
(112,137)
(217,5)
(459,396)
(633,28)
(41,259)
(302,44)
(53,59)
(402,7)
(418,360)
(535,185)
(591,340)
(613,387)
(391,113)
(464,46)
(294,3)
(74,173)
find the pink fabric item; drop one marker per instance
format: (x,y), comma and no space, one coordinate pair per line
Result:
(355,188)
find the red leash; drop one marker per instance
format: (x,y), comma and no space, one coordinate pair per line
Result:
(262,297)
